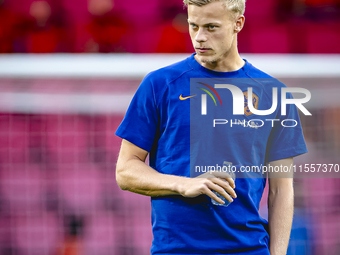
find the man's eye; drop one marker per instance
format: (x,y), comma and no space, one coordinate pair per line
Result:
(193,25)
(211,27)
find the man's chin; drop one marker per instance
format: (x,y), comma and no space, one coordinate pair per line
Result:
(203,58)
(206,59)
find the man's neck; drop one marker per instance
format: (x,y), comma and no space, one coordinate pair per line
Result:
(232,62)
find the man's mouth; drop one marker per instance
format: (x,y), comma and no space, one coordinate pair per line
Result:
(202,50)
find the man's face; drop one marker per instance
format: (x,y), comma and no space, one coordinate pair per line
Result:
(212,31)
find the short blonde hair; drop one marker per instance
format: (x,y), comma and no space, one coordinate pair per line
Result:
(236,6)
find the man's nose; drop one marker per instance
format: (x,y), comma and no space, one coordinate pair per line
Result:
(201,35)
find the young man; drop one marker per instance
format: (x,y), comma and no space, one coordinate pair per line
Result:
(184,220)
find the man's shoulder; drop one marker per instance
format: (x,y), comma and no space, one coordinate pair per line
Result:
(171,72)
(254,72)
(263,77)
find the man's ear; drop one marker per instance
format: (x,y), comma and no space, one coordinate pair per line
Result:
(239,23)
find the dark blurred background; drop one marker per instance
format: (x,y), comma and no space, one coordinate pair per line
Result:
(59,112)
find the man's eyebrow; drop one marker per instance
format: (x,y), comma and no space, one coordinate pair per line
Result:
(212,23)
(207,24)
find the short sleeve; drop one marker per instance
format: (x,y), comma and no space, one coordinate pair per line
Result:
(285,142)
(141,121)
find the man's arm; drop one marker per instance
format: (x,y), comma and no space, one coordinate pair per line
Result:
(134,175)
(280,207)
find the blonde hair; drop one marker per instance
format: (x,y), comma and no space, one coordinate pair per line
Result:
(236,6)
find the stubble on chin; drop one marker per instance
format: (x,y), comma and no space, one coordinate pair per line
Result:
(206,61)
(211,60)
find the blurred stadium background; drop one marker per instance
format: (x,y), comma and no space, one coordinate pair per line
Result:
(59,111)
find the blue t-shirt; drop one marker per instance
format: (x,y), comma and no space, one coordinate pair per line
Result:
(159,122)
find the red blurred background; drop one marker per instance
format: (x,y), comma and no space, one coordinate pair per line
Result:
(54,26)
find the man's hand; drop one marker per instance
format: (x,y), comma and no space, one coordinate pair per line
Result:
(205,183)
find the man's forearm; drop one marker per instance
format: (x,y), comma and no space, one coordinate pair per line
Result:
(136,176)
(280,215)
